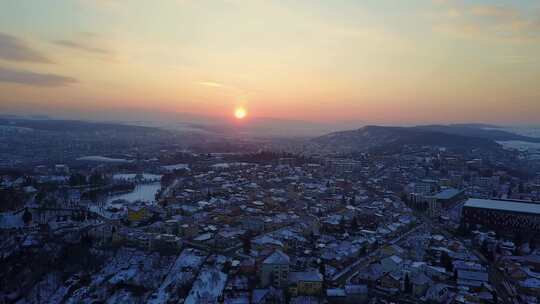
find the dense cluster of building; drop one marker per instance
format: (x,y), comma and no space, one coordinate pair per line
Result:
(178,226)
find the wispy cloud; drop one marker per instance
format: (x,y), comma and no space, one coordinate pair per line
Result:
(81,46)
(15,49)
(103,4)
(34,79)
(505,22)
(510,59)
(226,89)
(213,84)
(496,12)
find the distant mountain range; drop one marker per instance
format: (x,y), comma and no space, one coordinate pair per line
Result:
(479,131)
(205,125)
(389,138)
(53,125)
(259,127)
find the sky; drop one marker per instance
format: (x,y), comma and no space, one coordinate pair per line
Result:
(377,61)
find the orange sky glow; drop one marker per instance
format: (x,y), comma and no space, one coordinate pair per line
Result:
(422,61)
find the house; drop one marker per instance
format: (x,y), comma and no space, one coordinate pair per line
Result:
(391,263)
(105,234)
(266,241)
(391,280)
(371,275)
(351,294)
(444,199)
(188,231)
(166,243)
(307,283)
(275,270)
(356,293)
(137,214)
(267,296)
(437,293)
(420,284)
(392,250)
(438,273)
(336,295)
(254,224)
(305,300)
(247,266)
(472,278)
(228,237)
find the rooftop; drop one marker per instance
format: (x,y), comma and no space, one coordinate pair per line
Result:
(503,205)
(278,257)
(307,276)
(448,194)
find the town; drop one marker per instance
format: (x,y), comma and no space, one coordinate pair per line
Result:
(171,225)
(269,152)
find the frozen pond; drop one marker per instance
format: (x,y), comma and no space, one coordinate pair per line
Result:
(142,192)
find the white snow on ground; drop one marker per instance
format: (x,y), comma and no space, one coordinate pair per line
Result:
(135,276)
(208,287)
(128,270)
(144,270)
(181,275)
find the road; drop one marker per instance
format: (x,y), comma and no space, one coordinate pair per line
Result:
(352,270)
(505,290)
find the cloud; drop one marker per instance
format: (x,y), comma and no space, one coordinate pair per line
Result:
(212,84)
(495,12)
(104,5)
(34,79)
(504,22)
(227,89)
(222,86)
(80,46)
(14,49)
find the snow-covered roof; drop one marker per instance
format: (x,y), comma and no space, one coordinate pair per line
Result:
(396,259)
(259,294)
(335,292)
(356,289)
(503,205)
(278,257)
(306,276)
(204,237)
(448,194)
(267,240)
(473,275)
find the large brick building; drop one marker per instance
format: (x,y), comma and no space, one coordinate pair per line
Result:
(504,215)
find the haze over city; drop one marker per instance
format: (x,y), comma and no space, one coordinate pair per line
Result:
(270,152)
(384,62)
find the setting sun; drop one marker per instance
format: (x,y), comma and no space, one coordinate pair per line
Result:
(240,113)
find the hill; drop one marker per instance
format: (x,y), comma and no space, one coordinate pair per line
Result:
(71,125)
(381,138)
(479,131)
